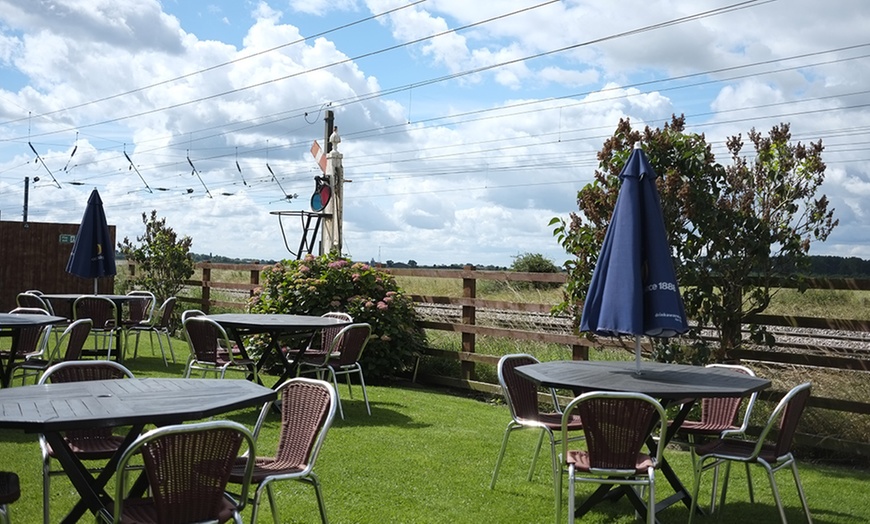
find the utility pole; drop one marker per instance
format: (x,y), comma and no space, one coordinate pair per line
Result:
(331,237)
(26,198)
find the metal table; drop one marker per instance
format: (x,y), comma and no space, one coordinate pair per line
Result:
(52,409)
(671,384)
(11,325)
(240,325)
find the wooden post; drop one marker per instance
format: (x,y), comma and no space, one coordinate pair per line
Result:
(579,352)
(255,280)
(206,290)
(469,290)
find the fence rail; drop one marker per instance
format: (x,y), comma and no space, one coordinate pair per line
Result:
(814,351)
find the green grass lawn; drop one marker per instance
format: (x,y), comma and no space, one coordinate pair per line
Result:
(426,455)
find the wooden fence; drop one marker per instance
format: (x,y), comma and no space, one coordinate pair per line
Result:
(812,354)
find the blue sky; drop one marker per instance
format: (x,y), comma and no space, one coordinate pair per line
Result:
(461,147)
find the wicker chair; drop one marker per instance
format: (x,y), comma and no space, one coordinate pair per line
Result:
(33,300)
(32,340)
(773,454)
(157,324)
(104,315)
(342,358)
(187,467)
(72,340)
(320,342)
(208,342)
(616,426)
(719,419)
(307,412)
(521,396)
(88,444)
(10,491)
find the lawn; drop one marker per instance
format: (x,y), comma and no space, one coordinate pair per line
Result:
(426,455)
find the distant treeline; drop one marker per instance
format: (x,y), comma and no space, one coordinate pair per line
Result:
(820,265)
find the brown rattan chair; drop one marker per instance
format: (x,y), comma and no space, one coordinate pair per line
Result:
(307,412)
(771,450)
(71,342)
(33,300)
(88,444)
(10,491)
(719,418)
(521,396)
(616,426)
(320,342)
(208,342)
(158,323)
(104,315)
(187,466)
(32,340)
(342,358)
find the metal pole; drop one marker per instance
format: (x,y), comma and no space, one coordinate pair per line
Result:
(26,197)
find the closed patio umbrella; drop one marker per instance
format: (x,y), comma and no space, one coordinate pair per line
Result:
(93,254)
(634,288)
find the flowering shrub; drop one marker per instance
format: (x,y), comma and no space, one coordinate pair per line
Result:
(316,285)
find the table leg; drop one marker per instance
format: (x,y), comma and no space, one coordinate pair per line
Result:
(6,370)
(92,489)
(240,343)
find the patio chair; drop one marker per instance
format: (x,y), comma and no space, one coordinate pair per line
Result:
(139,311)
(158,323)
(719,418)
(10,491)
(207,340)
(771,452)
(521,397)
(71,341)
(104,314)
(342,358)
(32,340)
(320,342)
(307,412)
(88,444)
(30,299)
(187,466)
(616,426)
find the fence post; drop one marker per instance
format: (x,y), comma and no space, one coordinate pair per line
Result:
(206,289)
(469,290)
(255,280)
(579,352)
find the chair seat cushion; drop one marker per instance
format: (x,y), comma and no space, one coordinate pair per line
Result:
(580,459)
(734,448)
(696,427)
(554,421)
(264,467)
(93,448)
(10,489)
(143,511)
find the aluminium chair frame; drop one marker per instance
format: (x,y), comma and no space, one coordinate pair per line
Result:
(335,362)
(785,414)
(157,323)
(150,436)
(105,326)
(625,477)
(519,420)
(75,336)
(212,363)
(305,473)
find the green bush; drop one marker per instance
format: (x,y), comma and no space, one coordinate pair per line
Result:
(317,285)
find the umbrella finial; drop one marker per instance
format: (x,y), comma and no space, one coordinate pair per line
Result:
(637,145)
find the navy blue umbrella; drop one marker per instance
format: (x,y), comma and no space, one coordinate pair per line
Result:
(93,254)
(634,288)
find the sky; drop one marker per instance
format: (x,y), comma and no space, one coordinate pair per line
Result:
(465,127)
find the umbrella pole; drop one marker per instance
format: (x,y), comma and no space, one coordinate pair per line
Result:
(637,353)
(95,286)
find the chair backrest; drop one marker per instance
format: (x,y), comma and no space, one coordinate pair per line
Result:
(349,343)
(32,300)
(31,339)
(307,412)
(721,412)
(74,336)
(616,426)
(165,314)
(189,313)
(188,466)
(784,419)
(140,309)
(100,310)
(520,394)
(327,334)
(205,338)
(84,370)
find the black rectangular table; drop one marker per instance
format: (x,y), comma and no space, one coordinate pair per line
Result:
(52,409)
(669,383)
(11,325)
(240,325)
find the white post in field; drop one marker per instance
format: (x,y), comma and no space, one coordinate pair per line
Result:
(332,223)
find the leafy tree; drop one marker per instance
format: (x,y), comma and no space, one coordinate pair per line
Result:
(733,229)
(316,285)
(163,261)
(535,263)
